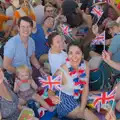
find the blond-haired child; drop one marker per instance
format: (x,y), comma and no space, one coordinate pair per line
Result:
(26,88)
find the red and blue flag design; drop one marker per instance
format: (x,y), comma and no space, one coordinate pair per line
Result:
(51,82)
(104,98)
(97,11)
(66,30)
(99,40)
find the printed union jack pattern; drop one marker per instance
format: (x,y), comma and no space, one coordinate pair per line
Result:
(96,1)
(66,30)
(79,77)
(41,111)
(104,98)
(100,39)
(51,82)
(97,11)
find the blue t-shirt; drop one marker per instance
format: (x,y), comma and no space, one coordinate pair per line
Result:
(115,49)
(15,50)
(40,42)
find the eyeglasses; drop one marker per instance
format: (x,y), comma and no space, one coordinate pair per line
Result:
(49,10)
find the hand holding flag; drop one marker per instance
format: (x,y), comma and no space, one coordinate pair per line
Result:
(66,30)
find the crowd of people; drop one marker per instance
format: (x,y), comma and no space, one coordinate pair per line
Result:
(41,38)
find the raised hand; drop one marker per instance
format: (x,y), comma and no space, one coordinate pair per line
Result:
(110,115)
(112,2)
(55,99)
(106,56)
(95,29)
(15,3)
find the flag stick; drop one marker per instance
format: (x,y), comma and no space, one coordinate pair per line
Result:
(104,42)
(60,86)
(113,100)
(99,19)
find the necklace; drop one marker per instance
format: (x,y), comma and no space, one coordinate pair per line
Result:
(79,77)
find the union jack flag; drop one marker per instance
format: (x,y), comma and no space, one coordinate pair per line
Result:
(104,98)
(100,39)
(51,82)
(96,1)
(97,11)
(66,30)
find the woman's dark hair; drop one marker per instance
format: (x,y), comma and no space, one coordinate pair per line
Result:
(27,19)
(47,18)
(75,43)
(50,38)
(74,19)
(106,8)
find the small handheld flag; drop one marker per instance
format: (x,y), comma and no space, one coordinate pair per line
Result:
(97,11)
(66,30)
(104,98)
(100,39)
(51,82)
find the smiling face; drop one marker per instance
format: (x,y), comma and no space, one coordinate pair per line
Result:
(49,22)
(24,28)
(49,11)
(75,56)
(23,75)
(57,43)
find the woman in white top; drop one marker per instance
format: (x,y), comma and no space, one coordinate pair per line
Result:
(56,55)
(74,91)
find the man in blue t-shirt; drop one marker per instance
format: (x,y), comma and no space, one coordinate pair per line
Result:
(20,49)
(41,46)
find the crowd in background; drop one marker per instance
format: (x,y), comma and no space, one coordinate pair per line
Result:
(39,38)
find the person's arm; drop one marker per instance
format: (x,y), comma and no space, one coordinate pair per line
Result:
(112,3)
(36,64)
(34,61)
(33,84)
(0,116)
(85,91)
(10,28)
(110,115)
(7,64)
(107,58)
(16,86)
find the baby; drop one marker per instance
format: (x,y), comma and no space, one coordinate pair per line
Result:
(26,88)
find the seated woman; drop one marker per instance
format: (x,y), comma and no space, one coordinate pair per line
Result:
(8,101)
(74,91)
(56,55)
